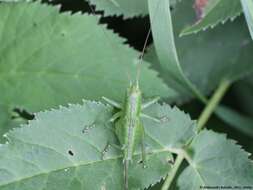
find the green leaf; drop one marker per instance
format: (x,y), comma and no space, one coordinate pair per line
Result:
(236,120)
(216,161)
(206,58)
(244,93)
(6,120)
(197,63)
(48,59)
(248,12)
(215,12)
(129,8)
(165,45)
(54,151)
(184,94)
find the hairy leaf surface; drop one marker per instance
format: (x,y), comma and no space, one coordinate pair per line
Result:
(213,13)
(216,161)
(62,149)
(48,59)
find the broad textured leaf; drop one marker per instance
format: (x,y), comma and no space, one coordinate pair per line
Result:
(48,58)
(230,58)
(213,13)
(52,152)
(162,30)
(216,161)
(129,8)
(248,12)
(205,58)
(234,119)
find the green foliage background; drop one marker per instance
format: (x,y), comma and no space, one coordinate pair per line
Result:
(53,56)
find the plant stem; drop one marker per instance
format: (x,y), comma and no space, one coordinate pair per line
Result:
(204,117)
(173,172)
(213,102)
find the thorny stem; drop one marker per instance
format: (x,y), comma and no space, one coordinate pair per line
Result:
(204,117)
(212,104)
(173,172)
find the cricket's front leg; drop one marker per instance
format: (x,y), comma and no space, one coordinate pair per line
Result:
(112,102)
(149,103)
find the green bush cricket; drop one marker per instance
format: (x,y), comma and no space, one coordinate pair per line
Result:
(128,125)
(129,128)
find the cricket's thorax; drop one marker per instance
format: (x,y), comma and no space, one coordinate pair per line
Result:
(133,101)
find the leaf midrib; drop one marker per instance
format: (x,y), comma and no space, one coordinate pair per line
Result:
(79,165)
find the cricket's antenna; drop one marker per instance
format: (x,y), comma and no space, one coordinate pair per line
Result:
(91,8)
(142,55)
(144,48)
(129,77)
(93,12)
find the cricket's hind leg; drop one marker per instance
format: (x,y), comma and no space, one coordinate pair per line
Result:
(143,153)
(151,118)
(149,103)
(162,119)
(126,168)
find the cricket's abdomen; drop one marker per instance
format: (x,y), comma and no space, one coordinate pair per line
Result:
(130,136)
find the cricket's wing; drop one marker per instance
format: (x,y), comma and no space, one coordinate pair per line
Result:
(130,136)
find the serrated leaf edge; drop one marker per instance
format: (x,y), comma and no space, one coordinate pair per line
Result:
(68,108)
(190,30)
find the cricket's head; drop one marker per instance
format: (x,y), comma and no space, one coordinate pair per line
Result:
(134,90)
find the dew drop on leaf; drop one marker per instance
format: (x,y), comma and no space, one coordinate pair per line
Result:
(87,128)
(164,119)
